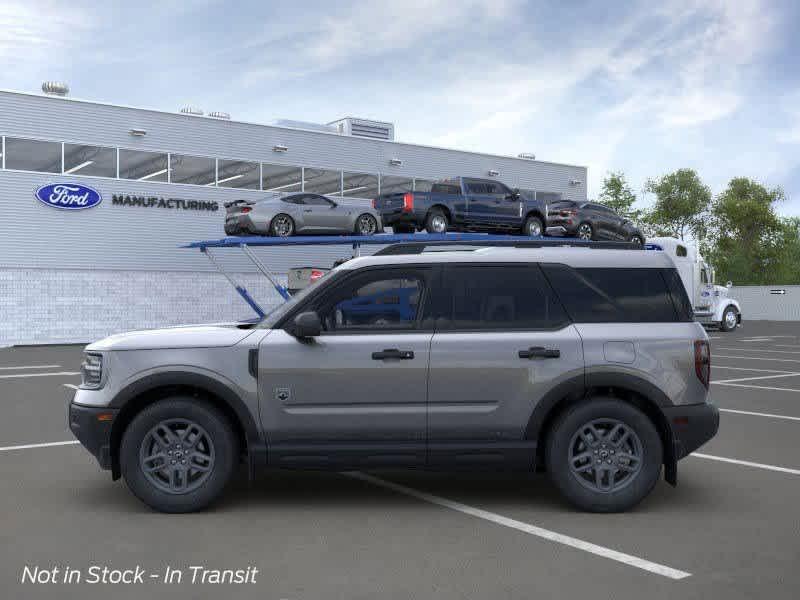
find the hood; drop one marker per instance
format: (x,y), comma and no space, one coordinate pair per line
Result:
(186,336)
(721,290)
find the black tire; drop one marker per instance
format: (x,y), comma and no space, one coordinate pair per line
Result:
(276,226)
(637,239)
(726,319)
(576,489)
(585,231)
(210,485)
(360,221)
(399,229)
(434,220)
(534,227)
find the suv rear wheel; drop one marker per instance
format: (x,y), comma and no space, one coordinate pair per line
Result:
(178,454)
(585,231)
(604,455)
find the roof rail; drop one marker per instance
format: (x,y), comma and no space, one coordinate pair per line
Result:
(420,247)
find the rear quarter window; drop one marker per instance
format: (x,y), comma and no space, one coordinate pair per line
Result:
(607,295)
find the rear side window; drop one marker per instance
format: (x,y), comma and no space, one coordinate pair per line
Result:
(679,296)
(613,295)
(445,188)
(497,297)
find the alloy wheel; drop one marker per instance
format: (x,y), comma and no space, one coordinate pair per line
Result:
(367,225)
(605,455)
(439,224)
(282,226)
(177,456)
(585,231)
(534,228)
(730,319)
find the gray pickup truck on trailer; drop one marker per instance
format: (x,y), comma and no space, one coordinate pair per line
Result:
(583,362)
(464,204)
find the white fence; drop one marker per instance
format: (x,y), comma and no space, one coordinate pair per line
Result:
(768,302)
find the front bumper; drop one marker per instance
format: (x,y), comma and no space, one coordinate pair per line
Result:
(92,426)
(692,426)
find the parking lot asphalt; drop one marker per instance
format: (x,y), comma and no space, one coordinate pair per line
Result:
(730,529)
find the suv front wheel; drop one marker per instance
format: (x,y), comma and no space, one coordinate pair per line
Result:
(604,455)
(178,454)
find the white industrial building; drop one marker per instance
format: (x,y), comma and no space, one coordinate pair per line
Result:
(76,275)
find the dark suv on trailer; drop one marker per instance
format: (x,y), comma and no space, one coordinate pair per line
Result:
(591,221)
(583,362)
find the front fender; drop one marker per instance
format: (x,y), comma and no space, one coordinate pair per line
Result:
(722,305)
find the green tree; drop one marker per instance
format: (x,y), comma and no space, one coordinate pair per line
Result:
(749,242)
(618,195)
(681,205)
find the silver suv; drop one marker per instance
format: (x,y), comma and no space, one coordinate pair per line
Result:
(582,362)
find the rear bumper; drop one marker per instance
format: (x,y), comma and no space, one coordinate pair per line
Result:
(92,426)
(692,426)
(398,217)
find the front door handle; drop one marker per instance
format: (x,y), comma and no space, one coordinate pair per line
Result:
(393,353)
(540,352)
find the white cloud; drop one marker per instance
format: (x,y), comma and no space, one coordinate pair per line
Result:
(33,34)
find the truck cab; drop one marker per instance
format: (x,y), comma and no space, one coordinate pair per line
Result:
(711,303)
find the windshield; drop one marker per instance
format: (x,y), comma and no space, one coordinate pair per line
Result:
(272,317)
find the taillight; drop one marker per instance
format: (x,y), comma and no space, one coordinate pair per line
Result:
(702,361)
(569,213)
(374,203)
(246,210)
(316,274)
(408,202)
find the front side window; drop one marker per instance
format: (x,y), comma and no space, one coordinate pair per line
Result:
(33,155)
(498,297)
(613,295)
(314,200)
(374,302)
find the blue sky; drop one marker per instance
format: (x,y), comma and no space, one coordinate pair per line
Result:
(644,87)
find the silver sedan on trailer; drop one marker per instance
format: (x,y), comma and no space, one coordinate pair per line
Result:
(283,215)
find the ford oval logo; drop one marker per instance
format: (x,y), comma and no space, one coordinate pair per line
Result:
(69,196)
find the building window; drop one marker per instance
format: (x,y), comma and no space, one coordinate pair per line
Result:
(280,178)
(323,181)
(195,170)
(90,160)
(396,185)
(33,155)
(144,166)
(238,174)
(423,185)
(360,185)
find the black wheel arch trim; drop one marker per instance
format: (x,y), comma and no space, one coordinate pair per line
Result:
(578,388)
(256,446)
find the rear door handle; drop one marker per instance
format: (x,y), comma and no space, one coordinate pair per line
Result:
(540,352)
(393,353)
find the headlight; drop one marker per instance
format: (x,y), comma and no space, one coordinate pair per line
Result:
(92,371)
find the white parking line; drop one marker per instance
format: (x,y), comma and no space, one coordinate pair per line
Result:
(70,386)
(776,376)
(628,559)
(30,367)
(757,387)
(747,463)
(757,358)
(715,366)
(758,414)
(762,350)
(45,445)
(16,375)
(786,346)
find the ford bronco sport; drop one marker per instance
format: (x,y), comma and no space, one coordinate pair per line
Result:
(582,362)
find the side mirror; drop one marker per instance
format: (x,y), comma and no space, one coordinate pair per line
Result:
(307,325)
(514,195)
(729,285)
(333,204)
